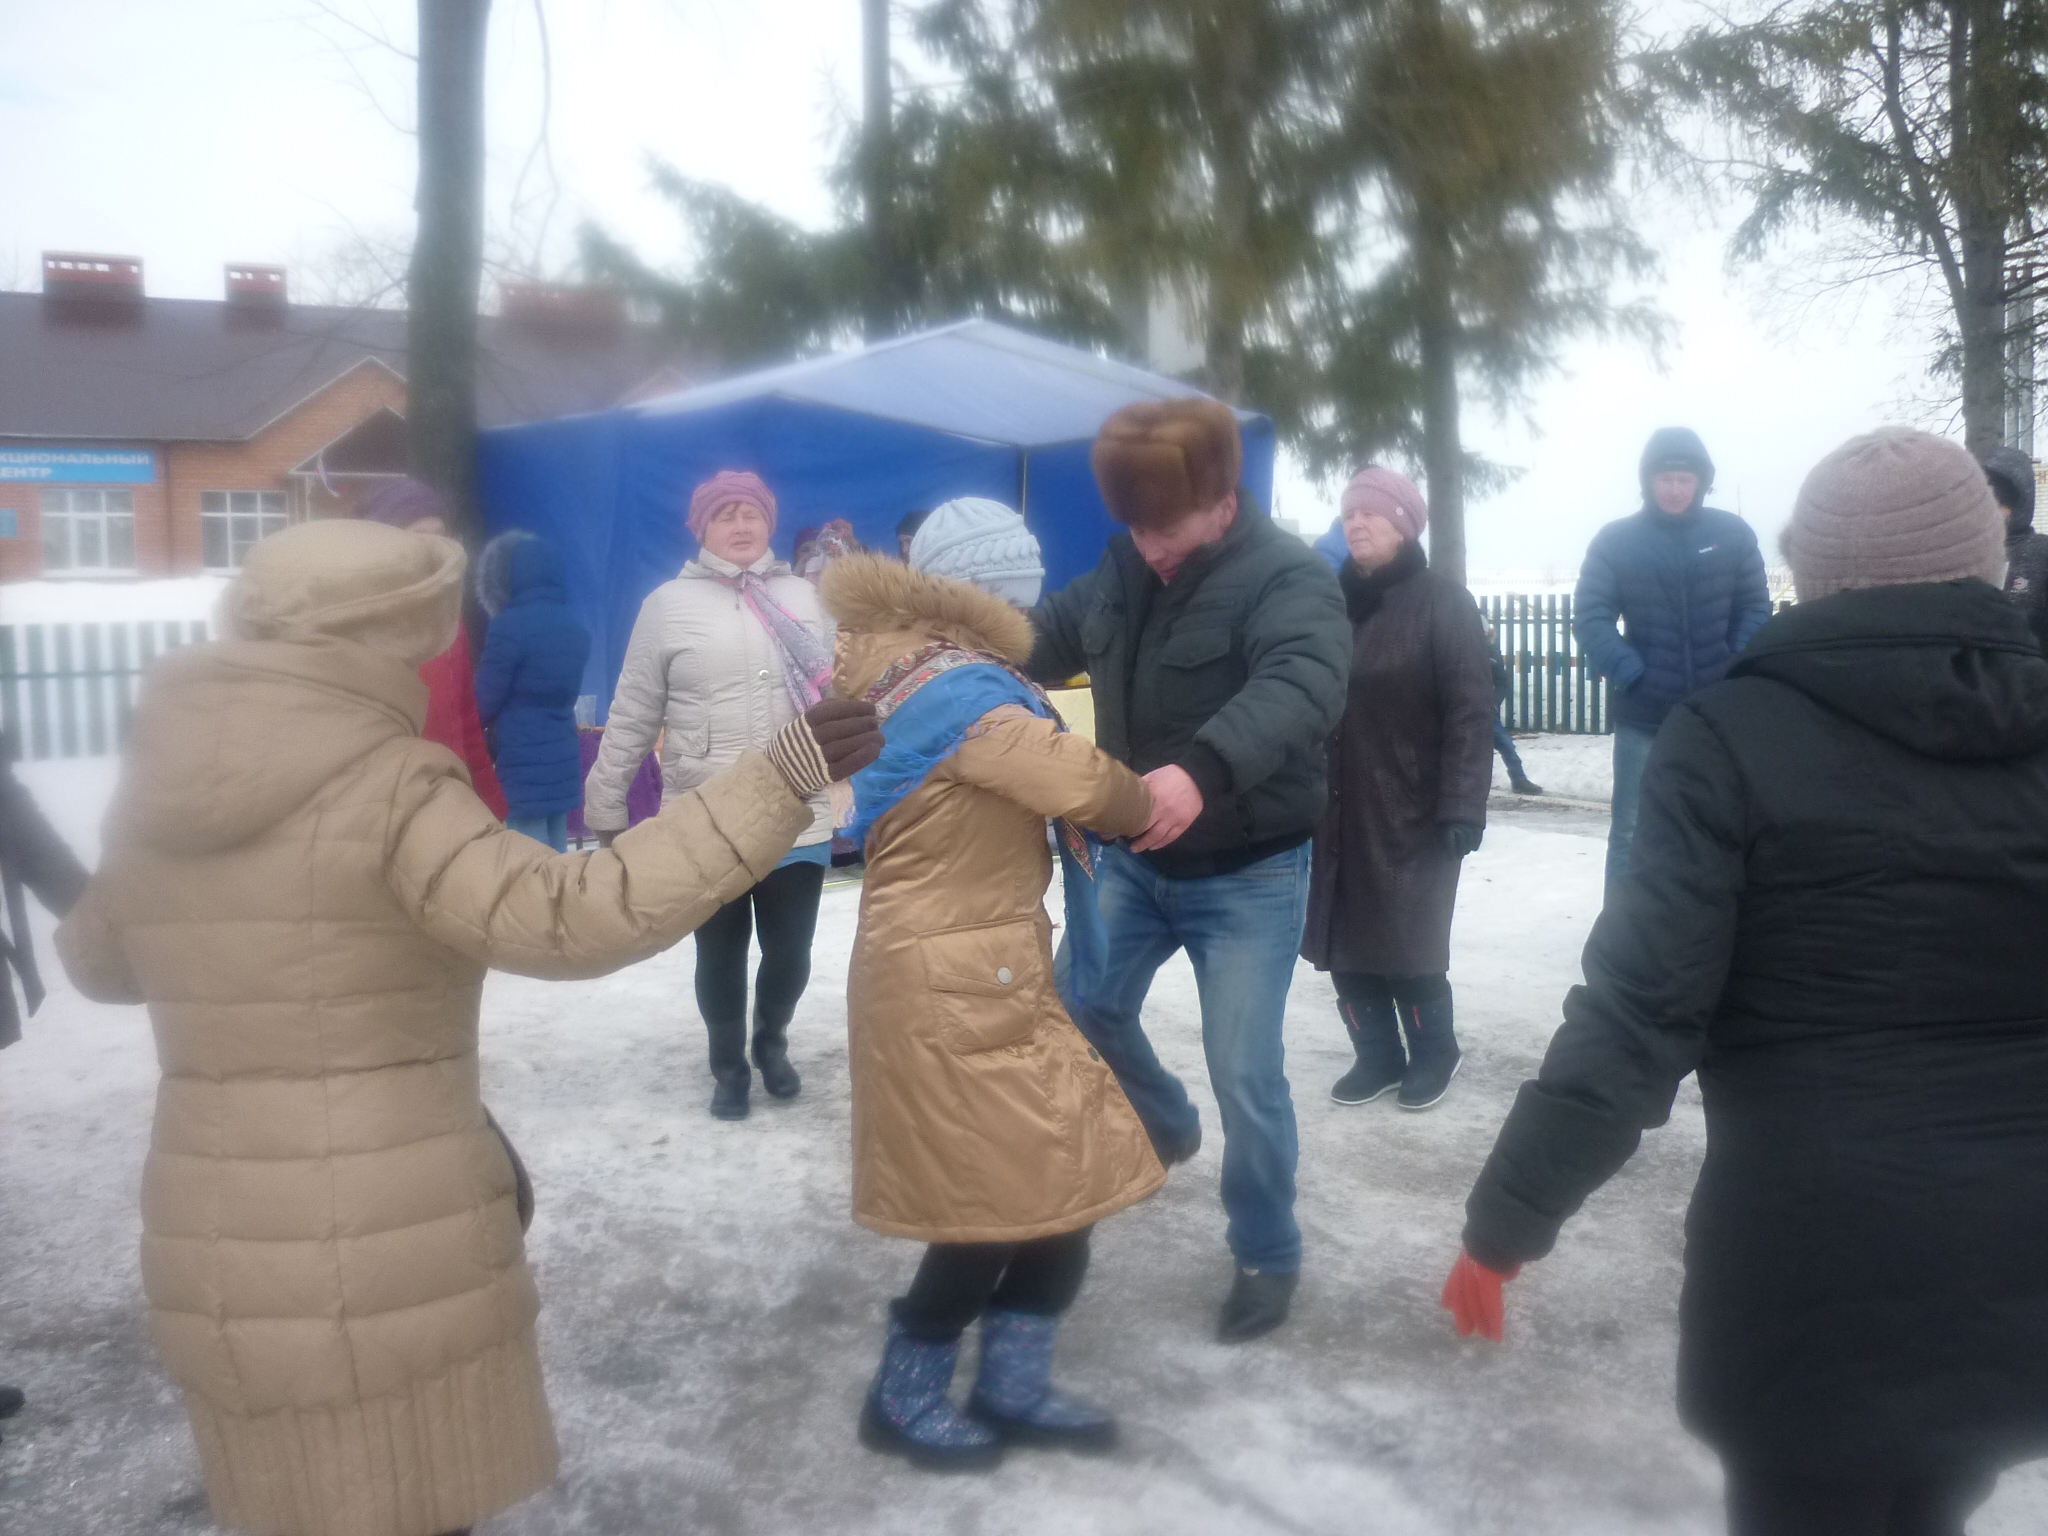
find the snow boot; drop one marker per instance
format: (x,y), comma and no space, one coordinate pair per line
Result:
(1258,1303)
(907,1414)
(1014,1394)
(1522,784)
(1433,1054)
(729,1068)
(771,1056)
(1375,1032)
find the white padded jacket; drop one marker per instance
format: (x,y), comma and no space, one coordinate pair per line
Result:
(702,666)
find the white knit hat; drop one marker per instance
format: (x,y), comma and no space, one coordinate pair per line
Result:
(976,540)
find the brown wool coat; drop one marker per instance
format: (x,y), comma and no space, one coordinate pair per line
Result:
(979,1113)
(1414,748)
(307,896)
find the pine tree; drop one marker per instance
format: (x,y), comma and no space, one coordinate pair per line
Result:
(1923,124)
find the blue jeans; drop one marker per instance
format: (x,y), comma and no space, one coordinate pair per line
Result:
(552,830)
(1242,931)
(1504,744)
(1631,752)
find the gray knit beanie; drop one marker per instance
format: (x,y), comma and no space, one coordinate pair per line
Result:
(1890,508)
(976,540)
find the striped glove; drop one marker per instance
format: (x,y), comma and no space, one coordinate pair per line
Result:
(832,740)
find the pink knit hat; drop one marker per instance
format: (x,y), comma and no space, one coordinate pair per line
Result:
(1893,507)
(725,488)
(1387,494)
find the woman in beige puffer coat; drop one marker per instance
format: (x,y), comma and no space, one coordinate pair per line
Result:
(308,895)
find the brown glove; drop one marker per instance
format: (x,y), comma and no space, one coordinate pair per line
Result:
(832,740)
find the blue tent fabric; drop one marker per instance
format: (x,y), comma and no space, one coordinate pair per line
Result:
(974,409)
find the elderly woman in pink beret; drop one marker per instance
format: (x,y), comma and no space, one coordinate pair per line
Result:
(721,659)
(1410,764)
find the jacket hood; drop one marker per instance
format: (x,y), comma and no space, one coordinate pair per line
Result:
(395,592)
(534,573)
(1948,670)
(1675,448)
(229,739)
(885,609)
(2011,474)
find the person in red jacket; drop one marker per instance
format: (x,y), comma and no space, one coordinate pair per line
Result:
(452,718)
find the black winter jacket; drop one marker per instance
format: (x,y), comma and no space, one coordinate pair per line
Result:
(1235,672)
(1834,915)
(32,858)
(1691,590)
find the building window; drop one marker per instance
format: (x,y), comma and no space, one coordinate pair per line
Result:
(230,521)
(89,533)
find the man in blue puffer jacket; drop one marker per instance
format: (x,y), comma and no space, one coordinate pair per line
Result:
(1687,582)
(527,683)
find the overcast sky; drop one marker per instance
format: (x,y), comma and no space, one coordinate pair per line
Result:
(263,130)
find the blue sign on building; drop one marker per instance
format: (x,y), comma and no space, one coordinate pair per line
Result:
(79,466)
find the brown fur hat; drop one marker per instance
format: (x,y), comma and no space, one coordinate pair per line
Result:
(1159,460)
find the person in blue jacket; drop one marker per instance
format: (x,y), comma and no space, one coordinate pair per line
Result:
(527,683)
(1667,598)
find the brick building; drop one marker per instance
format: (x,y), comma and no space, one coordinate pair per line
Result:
(161,437)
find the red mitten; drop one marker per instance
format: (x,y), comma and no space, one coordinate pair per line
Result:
(1472,1297)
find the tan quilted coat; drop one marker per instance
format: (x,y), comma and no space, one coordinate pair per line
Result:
(979,1112)
(307,896)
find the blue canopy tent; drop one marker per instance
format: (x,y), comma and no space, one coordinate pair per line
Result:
(973,409)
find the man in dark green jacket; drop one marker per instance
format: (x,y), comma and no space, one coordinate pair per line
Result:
(1218,651)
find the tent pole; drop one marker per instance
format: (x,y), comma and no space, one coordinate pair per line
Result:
(1023,483)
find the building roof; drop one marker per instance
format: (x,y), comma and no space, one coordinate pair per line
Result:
(205,370)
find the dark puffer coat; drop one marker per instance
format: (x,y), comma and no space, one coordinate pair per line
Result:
(1835,917)
(1690,588)
(1235,672)
(528,681)
(2011,474)
(1415,748)
(32,858)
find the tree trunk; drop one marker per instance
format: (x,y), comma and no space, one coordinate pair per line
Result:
(447,256)
(882,309)
(1981,116)
(1443,450)
(1230,279)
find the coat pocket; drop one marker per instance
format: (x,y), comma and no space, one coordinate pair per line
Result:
(986,983)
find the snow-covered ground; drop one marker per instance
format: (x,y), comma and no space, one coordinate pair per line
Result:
(86,601)
(1574,767)
(712,1315)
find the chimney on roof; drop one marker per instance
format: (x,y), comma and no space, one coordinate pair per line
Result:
(253,285)
(81,288)
(92,279)
(562,311)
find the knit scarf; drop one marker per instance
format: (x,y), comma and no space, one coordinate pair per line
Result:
(806,662)
(929,702)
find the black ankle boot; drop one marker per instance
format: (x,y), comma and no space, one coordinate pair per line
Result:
(729,1067)
(729,1098)
(771,1055)
(1376,1037)
(1433,1054)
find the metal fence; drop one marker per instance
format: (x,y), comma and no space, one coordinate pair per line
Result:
(68,690)
(1551,684)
